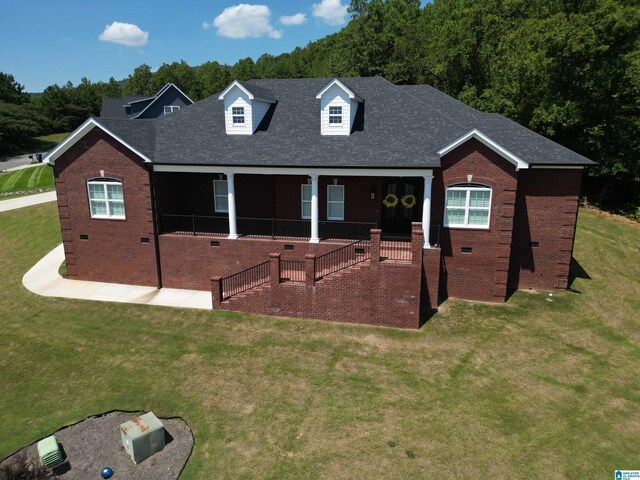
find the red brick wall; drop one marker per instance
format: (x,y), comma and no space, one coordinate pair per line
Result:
(546,209)
(195,269)
(358,204)
(375,293)
(113,251)
(482,274)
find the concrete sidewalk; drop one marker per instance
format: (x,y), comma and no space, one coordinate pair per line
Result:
(27,201)
(44,279)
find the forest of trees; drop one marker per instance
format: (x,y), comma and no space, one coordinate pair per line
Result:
(568,69)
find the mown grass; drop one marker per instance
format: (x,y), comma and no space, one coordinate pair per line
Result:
(44,143)
(529,389)
(32,178)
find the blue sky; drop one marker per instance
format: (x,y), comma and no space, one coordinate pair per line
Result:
(43,42)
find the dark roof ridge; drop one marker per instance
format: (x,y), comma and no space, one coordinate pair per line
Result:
(429,106)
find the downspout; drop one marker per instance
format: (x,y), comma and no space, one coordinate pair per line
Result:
(155,227)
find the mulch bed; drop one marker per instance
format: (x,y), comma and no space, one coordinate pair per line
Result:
(94,443)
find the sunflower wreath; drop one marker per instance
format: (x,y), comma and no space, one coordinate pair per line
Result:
(409,201)
(391,200)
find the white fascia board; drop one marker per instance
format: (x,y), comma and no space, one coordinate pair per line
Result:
(232,85)
(80,132)
(558,167)
(478,135)
(183,94)
(326,172)
(347,90)
(141,100)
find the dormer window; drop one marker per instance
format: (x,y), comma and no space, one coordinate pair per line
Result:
(170,109)
(245,105)
(335,115)
(238,115)
(338,108)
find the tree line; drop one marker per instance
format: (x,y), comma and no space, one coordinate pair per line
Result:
(567,69)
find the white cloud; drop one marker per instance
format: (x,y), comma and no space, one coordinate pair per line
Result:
(297,19)
(243,20)
(330,11)
(206,25)
(125,34)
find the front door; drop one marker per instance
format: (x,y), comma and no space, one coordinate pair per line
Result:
(401,205)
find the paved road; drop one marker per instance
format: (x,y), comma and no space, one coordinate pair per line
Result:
(15,162)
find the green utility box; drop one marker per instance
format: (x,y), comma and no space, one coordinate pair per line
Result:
(142,436)
(49,452)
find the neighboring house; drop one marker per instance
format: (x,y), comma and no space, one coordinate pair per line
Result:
(345,199)
(169,99)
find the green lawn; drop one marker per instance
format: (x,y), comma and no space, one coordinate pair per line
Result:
(529,389)
(32,178)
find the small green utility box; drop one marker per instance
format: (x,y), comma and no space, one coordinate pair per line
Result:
(49,451)
(142,436)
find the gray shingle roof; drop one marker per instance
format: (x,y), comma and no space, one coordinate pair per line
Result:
(258,91)
(396,127)
(530,146)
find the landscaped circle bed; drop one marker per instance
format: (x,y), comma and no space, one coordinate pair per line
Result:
(94,443)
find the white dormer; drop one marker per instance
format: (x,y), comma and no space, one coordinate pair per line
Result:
(338,107)
(244,107)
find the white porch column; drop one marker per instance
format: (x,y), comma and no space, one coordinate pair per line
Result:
(315,216)
(231,196)
(426,208)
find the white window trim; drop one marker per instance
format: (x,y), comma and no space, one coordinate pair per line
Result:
(303,201)
(234,115)
(170,109)
(466,208)
(330,202)
(216,195)
(104,182)
(341,115)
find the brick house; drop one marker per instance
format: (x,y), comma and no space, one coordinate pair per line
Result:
(351,200)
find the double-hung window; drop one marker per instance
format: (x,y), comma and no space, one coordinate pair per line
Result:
(335,202)
(221,196)
(335,115)
(238,115)
(306,201)
(106,199)
(468,206)
(170,109)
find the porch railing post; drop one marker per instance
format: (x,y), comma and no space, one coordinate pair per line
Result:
(273,228)
(274,272)
(375,245)
(417,243)
(310,269)
(193,224)
(216,292)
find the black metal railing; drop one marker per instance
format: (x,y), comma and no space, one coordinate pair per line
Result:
(342,258)
(245,280)
(346,230)
(398,250)
(193,224)
(292,271)
(273,227)
(263,227)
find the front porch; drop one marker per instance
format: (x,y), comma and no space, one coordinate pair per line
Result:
(288,206)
